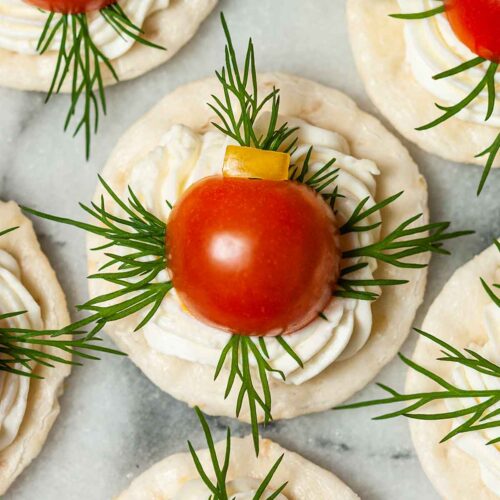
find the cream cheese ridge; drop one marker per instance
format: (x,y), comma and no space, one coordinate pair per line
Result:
(22,24)
(28,407)
(14,389)
(183,158)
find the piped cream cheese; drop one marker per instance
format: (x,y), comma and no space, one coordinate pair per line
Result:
(14,389)
(184,157)
(431,48)
(21,25)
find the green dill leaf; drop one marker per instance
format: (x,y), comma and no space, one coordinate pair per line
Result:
(420,15)
(236,356)
(492,152)
(265,483)
(460,68)
(219,489)
(7,231)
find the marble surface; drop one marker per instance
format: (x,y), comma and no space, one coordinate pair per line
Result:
(114,423)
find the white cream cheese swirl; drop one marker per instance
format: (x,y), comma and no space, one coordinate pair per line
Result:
(474,443)
(183,158)
(431,48)
(21,25)
(14,297)
(238,489)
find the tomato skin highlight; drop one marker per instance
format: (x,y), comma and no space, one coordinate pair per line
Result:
(70,6)
(253,257)
(477,24)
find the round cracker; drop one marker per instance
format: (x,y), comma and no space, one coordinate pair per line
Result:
(393,313)
(43,405)
(456,316)
(379,50)
(171,28)
(305,479)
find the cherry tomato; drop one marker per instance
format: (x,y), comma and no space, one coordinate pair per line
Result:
(70,6)
(477,24)
(254,257)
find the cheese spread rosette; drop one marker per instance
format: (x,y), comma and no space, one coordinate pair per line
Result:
(36,355)
(82,46)
(433,53)
(28,406)
(277,474)
(277,245)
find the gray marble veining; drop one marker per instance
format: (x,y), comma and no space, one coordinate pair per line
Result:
(114,423)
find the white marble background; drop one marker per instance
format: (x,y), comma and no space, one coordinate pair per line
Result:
(114,423)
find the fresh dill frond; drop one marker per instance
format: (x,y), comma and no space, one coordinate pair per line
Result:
(495,297)
(23,348)
(80,61)
(236,355)
(142,235)
(420,15)
(478,412)
(7,231)
(218,488)
(481,413)
(396,248)
(240,106)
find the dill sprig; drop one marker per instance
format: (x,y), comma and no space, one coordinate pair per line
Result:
(420,15)
(491,152)
(238,123)
(321,180)
(407,240)
(80,60)
(7,231)
(25,348)
(487,82)
(489,290)
(482,412)
(236,354)
(404,242)
(138,232)
(218,488)
(480,415)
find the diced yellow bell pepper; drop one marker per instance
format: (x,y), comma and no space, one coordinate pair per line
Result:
(255,163)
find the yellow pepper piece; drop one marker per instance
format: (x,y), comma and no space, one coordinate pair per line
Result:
(253,163)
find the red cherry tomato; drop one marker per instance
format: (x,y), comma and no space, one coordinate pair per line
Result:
(255,257)
(477,24)
(70,6)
